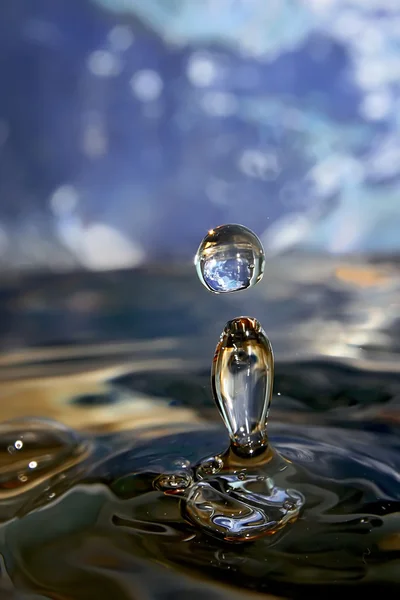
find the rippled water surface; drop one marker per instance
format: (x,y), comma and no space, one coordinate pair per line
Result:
(105,391)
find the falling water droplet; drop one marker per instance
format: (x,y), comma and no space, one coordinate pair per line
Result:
(242,379)
(32,450)
(230,258)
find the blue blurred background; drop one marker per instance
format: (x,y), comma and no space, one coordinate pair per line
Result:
(130,127)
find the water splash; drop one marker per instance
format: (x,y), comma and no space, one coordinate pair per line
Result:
(242,380)
(241,494)
(233,496)
(241,507)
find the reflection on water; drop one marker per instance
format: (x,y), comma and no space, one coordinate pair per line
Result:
(32,453)
(123,361)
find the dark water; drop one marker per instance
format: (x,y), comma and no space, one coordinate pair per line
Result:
(123,360)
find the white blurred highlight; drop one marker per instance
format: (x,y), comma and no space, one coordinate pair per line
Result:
(147,85)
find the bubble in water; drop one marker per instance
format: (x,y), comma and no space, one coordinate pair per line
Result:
(230,258)
(242,379)
(33,449)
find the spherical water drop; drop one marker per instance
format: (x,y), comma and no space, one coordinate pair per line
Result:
(230,258)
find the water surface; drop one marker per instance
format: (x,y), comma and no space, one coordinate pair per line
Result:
(123,360)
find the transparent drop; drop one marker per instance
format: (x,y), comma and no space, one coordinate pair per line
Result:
(32,450)
(230,258)
(173,482)
(242,380)
(211,466)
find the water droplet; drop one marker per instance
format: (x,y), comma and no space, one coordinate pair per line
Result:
(173,482)
(32,450)
(242,476)
(242,379)
(230,258)
(211,466)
